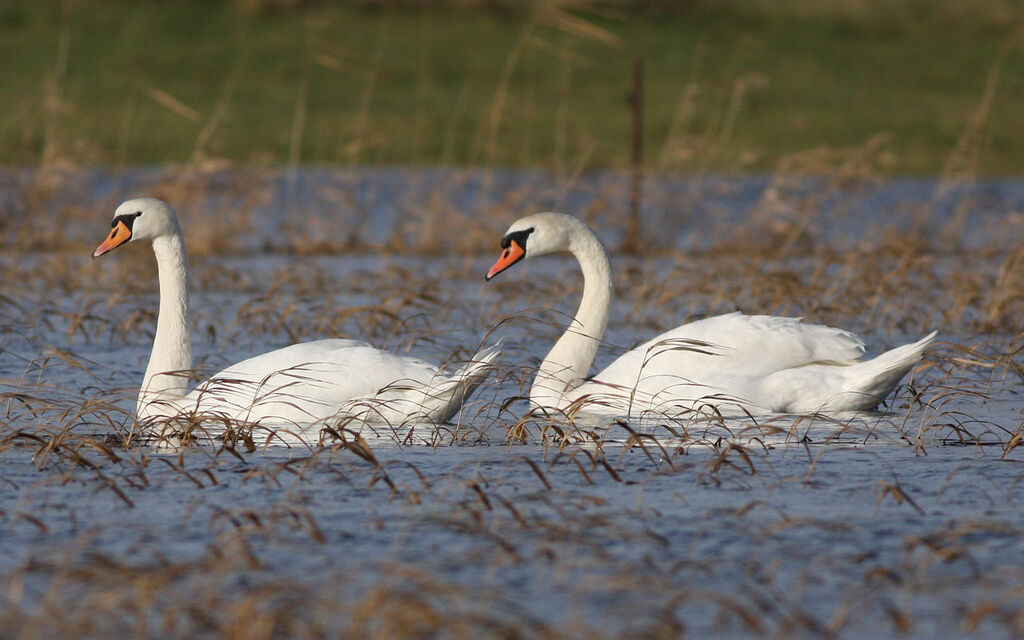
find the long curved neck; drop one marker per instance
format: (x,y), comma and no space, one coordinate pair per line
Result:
(569,361)
(172,345)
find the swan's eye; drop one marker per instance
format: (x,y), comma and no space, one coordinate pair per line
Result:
(128,219)
(518,237)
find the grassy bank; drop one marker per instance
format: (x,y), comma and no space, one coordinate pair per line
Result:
(884,86)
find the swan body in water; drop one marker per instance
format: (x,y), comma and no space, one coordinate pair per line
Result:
(300,385)
(760,364)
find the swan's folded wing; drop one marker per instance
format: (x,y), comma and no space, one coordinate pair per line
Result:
(308,381)
(734,344)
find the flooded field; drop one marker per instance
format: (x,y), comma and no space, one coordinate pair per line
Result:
(900,523)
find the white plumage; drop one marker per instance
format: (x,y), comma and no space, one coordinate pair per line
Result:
(300,385)
(754,363)
(312,381)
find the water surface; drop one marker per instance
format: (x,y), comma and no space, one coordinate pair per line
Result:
(904,522)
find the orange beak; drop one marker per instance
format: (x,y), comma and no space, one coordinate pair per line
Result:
(119,235)
(509,257)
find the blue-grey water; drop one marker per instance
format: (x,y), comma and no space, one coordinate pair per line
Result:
(904,523)
(372,206)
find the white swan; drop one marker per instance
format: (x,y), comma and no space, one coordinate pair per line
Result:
(757,363)
(298,385)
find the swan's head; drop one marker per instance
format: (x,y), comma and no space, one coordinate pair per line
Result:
(536,235)
(139,219)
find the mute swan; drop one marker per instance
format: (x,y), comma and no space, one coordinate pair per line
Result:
(759,363)
(297,385)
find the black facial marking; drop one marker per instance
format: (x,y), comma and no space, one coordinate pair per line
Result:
(518,236)
(128,219)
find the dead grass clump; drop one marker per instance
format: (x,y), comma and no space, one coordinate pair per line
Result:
(1005,304)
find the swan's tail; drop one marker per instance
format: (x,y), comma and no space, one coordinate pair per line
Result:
(875,378)
(446,396)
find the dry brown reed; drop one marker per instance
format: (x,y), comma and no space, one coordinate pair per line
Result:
(549,503)
(889,291)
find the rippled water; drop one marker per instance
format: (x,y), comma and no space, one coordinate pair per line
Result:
(900,523)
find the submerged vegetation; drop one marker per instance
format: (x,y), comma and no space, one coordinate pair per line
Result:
(505,523)
(508,524)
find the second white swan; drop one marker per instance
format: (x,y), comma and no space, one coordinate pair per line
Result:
(757,363)
(301,385)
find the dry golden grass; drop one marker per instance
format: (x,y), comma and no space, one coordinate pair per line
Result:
(65,405)
(553,503)
(154,591)
(893,286)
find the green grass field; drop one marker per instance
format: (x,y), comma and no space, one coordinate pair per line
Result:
(890,86)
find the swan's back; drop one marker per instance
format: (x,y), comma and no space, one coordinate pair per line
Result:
(313,381)
(735,344)
(762,363)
